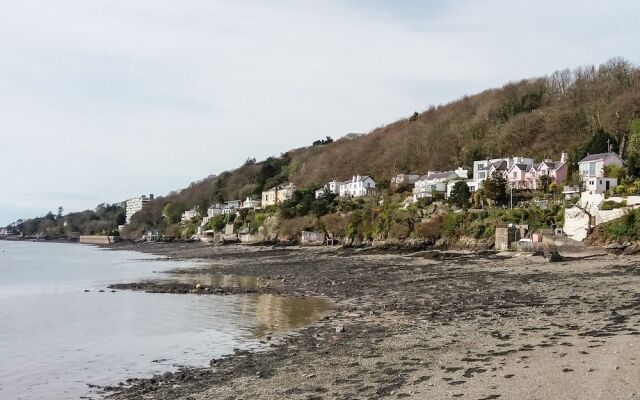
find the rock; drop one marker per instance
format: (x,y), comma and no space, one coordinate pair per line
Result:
(101,290)
(339,328)
(310,375)
(198,286)
(632,249)
(87,290)
(352,315)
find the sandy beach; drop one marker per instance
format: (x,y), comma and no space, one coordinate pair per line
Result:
(424,325)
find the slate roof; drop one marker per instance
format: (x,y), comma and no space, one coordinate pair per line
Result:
(499,165)
(599,156)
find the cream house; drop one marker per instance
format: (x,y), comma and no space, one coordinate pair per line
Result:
(278,194)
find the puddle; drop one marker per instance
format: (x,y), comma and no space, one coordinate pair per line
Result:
(280,314)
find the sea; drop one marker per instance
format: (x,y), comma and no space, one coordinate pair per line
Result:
(63,331)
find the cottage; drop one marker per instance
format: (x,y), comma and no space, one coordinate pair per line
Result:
(404,179)
(358,186)
(189,215)
(521,176)
(592,166)
(231,206)
(483,169)
(437,182)
(250,203)
(278,194)
(556,170)
(330,187)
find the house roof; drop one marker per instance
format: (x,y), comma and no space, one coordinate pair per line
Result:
(499,165)
(599,156)
(441,175)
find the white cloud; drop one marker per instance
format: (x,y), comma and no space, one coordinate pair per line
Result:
(104,100)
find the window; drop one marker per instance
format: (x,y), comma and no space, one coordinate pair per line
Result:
(515,174)
(592,168)
(480,175)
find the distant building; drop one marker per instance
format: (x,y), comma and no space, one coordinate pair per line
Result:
(592,166)
(330,187)
(251,203)
(278,194)
(135,204)
(189,215)
(358,186)
(402,179)
(231,206)
(437,182)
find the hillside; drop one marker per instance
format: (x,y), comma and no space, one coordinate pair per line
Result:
(536,117)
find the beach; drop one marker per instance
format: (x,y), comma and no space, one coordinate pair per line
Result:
(424,325)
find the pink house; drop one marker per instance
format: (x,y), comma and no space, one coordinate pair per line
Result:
(521,176)
(525,176)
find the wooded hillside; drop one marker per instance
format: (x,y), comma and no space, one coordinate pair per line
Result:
(536,117)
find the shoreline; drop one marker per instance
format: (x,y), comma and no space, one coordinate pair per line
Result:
(417,325)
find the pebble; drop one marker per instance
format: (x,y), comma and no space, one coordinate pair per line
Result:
(87,290)
(339,329)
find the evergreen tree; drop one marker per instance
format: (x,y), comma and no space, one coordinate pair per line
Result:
(495,188)
(460,194)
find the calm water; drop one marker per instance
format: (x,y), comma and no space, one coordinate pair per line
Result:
(55,338)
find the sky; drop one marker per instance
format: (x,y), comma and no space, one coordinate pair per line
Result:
(105,100)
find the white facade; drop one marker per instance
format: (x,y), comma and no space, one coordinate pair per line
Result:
(593,165)
(599,185)
(251,203)
(331,187)
(135,204)
(402,179)
(189,215)
(231,206)
(437,182)
(214,210)
(358,186)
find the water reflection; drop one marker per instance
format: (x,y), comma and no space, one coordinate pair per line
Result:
(279,314)
(272,313)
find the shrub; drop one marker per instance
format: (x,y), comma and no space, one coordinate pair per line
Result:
(430,230)
(399,231)
(292,228)
(451,223)
(611,205)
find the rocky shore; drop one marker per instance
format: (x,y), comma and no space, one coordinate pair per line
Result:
(424,325)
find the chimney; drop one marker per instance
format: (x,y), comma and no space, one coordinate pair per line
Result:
(563,156)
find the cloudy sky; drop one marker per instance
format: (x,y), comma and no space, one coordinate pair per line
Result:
(105,100)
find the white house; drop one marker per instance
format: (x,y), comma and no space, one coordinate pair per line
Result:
(189,215)
(135,204)
(331,187)
(436,182)
(593,165)
(358,186)
(251,203)
(231,206)
(214,210)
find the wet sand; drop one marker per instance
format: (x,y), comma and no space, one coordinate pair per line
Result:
(424,325)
